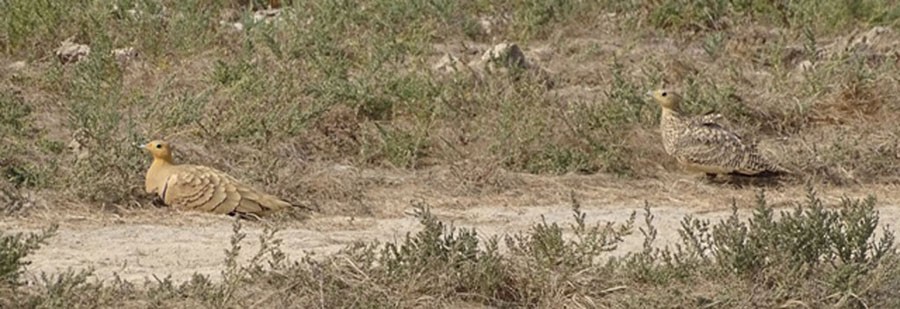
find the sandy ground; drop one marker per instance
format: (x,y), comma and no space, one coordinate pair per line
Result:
(161,242)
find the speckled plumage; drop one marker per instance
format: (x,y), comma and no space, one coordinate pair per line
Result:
(702,144)
(201,188)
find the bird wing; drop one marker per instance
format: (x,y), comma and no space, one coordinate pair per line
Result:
(206,189)
(192,187)
(711,145)
(710,119)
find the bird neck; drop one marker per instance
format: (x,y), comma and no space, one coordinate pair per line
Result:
(163,161)
(157,172)
(671,112)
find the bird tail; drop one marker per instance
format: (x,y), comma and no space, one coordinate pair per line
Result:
(308,206)
(774,172)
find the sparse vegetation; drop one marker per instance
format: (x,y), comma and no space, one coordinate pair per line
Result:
(268,84)
(352,83)
(14,248)
(812,256)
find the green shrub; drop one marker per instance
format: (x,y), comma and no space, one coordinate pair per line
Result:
(13,250)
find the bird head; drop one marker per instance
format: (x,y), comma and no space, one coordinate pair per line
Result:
(666,98)
(160,150)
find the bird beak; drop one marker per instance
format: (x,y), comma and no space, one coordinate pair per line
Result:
(139,145)
(649,93)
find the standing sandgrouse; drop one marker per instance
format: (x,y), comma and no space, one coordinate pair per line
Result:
(701,144)
(201,188)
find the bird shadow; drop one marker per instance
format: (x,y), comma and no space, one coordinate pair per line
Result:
(740,181)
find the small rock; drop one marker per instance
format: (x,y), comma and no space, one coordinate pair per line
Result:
(504,55)
(448,64)
(124,55)
(237,26)
(487,25)
(70,52)
(266,15)
(130,12)
(868,38)
(78,144)
(16,66)
(805,66)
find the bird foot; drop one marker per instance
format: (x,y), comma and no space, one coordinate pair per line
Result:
(709,178)
(158,202)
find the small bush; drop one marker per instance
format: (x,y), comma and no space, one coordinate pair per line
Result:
(13,250)
(804,255)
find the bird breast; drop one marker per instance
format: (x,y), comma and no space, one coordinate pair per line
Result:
(156,178)
(670,131)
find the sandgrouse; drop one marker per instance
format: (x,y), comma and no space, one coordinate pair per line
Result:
(702,144)
(201,188)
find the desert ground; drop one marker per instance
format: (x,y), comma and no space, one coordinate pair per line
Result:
(148,243)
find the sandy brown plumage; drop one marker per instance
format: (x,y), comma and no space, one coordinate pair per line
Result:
(201,188)
(703,144)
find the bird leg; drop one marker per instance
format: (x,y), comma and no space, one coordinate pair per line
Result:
(158,201)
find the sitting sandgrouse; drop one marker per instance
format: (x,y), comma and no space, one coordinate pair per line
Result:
(201,188)
(702,144)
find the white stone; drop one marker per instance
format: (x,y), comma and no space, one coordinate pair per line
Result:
(70,52)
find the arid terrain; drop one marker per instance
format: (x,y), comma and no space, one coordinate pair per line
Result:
(160,242)
(402,126)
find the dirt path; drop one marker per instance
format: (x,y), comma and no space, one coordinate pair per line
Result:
(140,244)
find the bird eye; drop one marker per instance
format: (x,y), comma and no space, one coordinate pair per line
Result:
(664,94)
(158,146)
